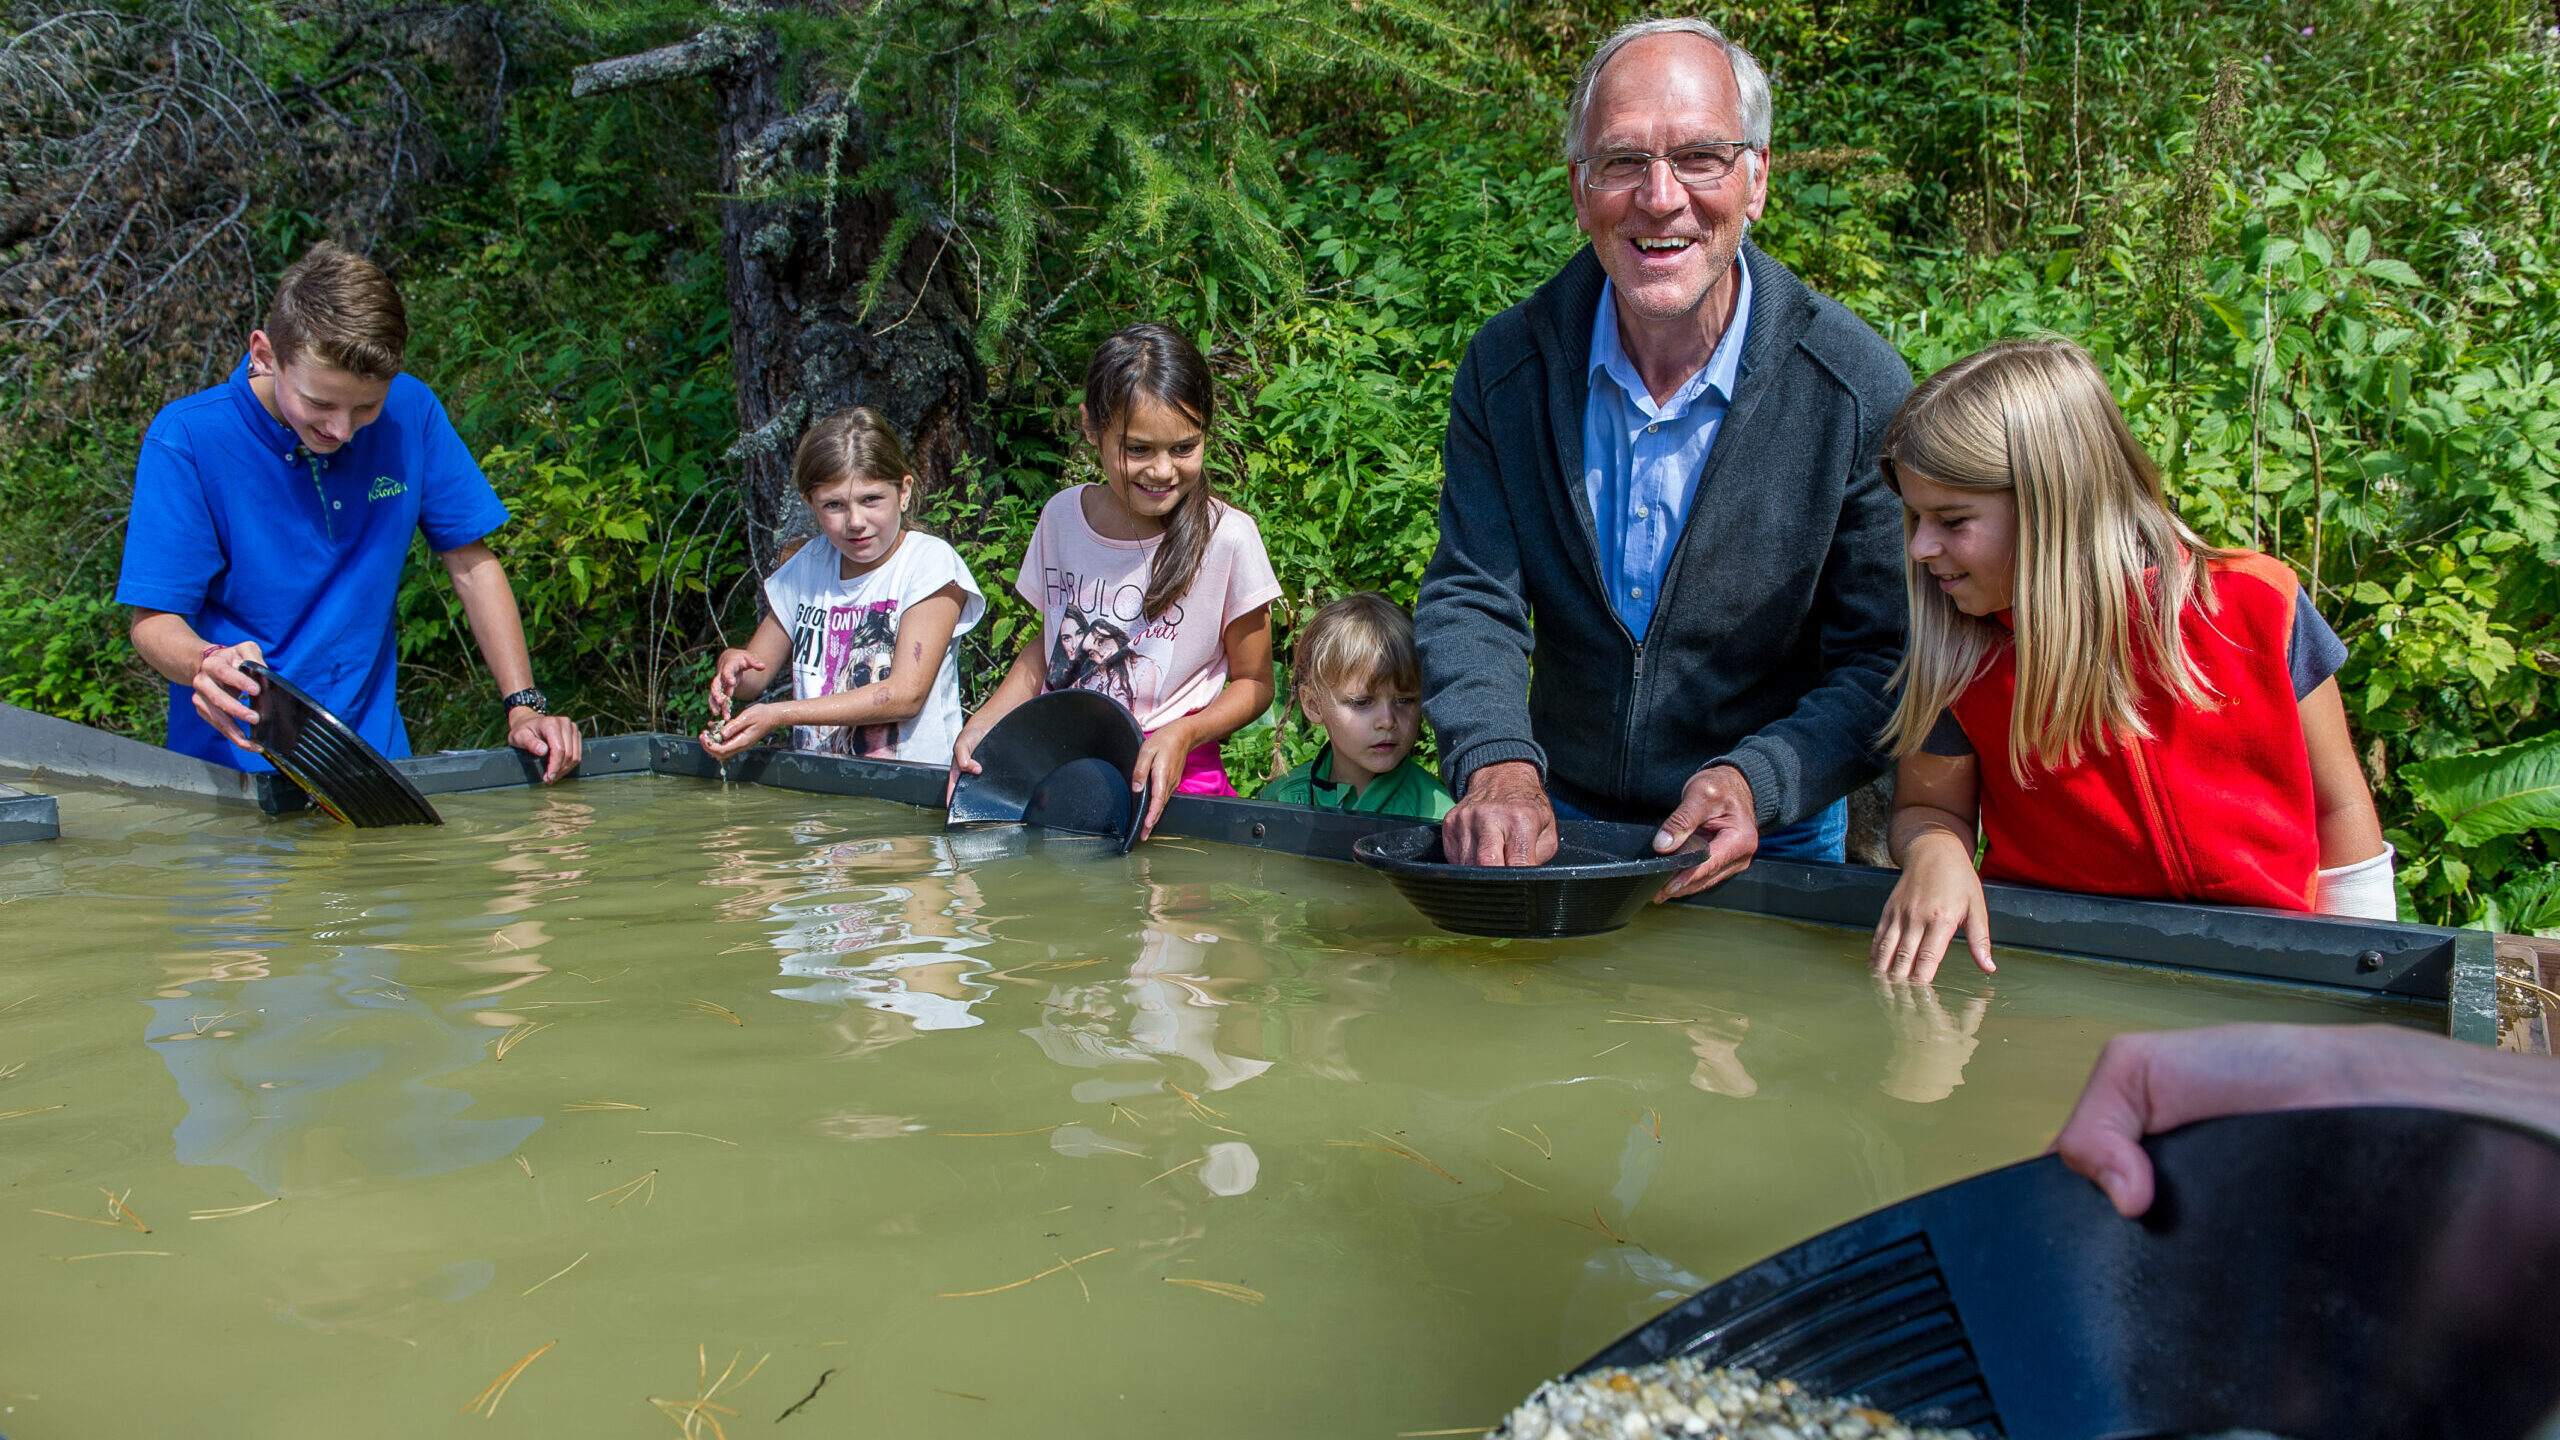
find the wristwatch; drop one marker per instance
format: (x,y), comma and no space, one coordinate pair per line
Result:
(530,698)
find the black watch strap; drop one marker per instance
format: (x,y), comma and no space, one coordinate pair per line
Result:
(528,697)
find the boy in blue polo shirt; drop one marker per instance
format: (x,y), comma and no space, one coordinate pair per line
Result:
(271,520)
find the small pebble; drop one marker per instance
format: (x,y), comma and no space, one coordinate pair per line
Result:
(1684,1399)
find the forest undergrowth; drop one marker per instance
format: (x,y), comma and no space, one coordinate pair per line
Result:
(2312,244)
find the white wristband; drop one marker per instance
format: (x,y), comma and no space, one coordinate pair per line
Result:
(2363,890)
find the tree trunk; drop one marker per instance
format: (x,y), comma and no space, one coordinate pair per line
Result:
(801,343)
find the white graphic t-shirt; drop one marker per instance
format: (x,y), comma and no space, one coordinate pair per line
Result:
(844,635)
(1091,595)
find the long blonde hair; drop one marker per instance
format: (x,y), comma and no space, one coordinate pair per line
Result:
(2096,540)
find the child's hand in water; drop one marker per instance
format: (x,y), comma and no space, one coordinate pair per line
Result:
(1938,894)
(733,666)
(1158,772)
(724,738)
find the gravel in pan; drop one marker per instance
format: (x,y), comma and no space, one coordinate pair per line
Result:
(1683,1399)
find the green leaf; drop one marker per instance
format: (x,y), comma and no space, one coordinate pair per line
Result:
(2396,272)
(2359,245)
(2502,791)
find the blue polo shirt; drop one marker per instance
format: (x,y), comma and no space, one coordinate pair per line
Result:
(252,537)
(1641,460)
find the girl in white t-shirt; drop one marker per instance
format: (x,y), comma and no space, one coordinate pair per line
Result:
(1150,589)
(865,619)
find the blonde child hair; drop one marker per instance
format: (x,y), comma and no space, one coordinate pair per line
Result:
(2096,535)
(1352,641)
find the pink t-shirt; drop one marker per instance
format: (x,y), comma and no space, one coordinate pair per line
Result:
(1091,595)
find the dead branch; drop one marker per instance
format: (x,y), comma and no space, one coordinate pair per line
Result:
(717,48)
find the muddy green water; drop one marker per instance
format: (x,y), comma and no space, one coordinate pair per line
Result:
(762,1052)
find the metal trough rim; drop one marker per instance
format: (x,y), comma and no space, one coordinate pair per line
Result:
(2427,965)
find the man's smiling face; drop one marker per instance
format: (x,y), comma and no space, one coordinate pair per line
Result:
(1665,245)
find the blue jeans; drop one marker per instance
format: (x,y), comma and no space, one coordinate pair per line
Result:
(1823,835)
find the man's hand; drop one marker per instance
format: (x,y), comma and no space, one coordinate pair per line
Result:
(553,739)
(1716,804)
(218,685)
(1505,819)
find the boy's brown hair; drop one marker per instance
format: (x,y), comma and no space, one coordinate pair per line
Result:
(1355,640)
(338,308)
(852,444)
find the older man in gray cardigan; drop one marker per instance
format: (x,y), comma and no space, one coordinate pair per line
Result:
(1669,581)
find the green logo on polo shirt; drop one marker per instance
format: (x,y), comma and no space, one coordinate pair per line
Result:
(384,487)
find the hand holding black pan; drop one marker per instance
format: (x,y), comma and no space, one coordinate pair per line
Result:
(342,773)
(220,682)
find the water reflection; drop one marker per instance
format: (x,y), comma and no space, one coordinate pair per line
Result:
(1930,1046)
(890,925)
(316,1074)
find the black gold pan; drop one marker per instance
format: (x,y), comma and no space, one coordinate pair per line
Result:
(329,760)
(1061,761)
(2356,1274)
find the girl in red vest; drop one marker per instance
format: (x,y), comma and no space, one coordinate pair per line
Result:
(2104,701)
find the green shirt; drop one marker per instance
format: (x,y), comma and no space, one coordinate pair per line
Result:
(1407,790)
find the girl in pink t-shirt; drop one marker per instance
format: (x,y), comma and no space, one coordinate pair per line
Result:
(1150,589)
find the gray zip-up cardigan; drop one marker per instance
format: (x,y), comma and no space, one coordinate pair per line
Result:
(1782,613)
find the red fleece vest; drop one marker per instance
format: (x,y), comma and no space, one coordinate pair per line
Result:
(2216,807)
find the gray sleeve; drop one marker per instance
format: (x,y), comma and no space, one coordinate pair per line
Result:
(1947,738)
(1471,622)
(2313,652)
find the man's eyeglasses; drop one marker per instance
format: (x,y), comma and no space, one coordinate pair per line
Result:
(1693,165)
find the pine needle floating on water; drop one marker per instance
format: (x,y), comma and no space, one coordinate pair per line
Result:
(723,1011)
(1176,1170)
(497,1390)
(1062,964)
(957,1394)
(696,1134)
(10,1072)
(107,1254)
(1657,1123)
(14,1004)
(1202,1111)
(1398,1148)
(509,1040)
(234,1210)
(1018,1284)
(1632,1018)
(1600,1226)
(118,1217)
(37,1110)
(556,1274)
(1614,1049)
(1245,1293)
(576,1105)
(526,1166)
(1545,1147)
(1532,1184)
(996,1134)
(625,1191)
(692,1415)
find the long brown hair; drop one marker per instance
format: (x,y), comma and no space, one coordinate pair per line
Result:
(1148,361)
(2104,565)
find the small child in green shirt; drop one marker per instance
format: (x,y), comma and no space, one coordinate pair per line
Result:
(1358,675)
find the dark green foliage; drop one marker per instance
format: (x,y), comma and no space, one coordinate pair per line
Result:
(2311,245)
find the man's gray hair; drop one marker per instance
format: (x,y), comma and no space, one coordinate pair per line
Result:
(1748,78)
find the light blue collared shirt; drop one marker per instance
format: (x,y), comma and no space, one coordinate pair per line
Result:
(1641,461)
